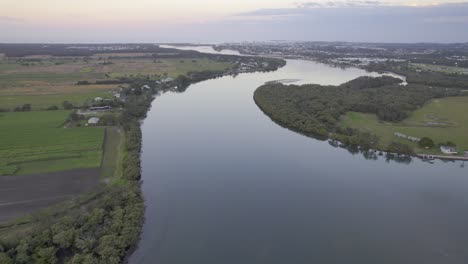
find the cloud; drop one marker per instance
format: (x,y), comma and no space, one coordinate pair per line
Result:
(331,4)
(363,20)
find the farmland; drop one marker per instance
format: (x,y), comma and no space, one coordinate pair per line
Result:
(37,142)
(438,68)
(441,120)
(44,81)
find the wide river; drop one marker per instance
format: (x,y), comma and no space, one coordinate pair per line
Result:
(223,184)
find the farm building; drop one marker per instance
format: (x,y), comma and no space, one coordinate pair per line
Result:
(98,99)
(100,108)
(448,150)
(93,120)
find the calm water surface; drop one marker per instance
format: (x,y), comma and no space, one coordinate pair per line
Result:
(224,184)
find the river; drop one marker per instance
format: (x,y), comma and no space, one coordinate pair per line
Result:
(224,184)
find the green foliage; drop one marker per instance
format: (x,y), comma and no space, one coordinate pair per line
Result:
(23,108)
(52,108)
(5,259)
(67,105)
(449,143)
(400,148)
(426,142)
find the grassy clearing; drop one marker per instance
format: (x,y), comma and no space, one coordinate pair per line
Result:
(439,68)
(111,167)
(171,67)
(41,102)
(37,142)
(441,120)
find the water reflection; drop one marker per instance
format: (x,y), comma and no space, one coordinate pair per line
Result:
(224,184)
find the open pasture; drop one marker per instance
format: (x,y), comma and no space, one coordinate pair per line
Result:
(441,120)
(37,142)
(439,68)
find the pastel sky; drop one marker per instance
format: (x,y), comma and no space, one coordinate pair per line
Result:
(92,21)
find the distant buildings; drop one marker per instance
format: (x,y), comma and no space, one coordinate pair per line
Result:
(449,150)
(98,99)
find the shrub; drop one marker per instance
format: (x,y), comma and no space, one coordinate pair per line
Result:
(400,148)
(52,108)
(426,142)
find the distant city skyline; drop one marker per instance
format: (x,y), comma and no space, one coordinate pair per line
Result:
(211,21)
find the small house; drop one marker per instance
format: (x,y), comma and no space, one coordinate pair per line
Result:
(98,99)
(448,150)
(93,121)
(466,154)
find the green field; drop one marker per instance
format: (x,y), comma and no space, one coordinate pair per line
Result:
(441,120)
(438,68)
(171,67)
(37,142)
(53,80)
(41,102)
(113,150)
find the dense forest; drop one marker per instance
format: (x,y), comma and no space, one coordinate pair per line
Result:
(316,110)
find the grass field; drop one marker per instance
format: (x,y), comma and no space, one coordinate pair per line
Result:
(439,68)
(52,80)
(171,67)
(441,120)
(37,142)
(113,149)
(41,102)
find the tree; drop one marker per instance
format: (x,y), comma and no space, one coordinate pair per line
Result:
(4,258)
(400,148)
(426,142)
(45,256)
(450,144)
(67,105)
(52,108)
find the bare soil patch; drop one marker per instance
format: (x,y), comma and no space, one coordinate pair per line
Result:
(22,195)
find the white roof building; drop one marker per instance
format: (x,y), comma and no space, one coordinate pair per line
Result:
(93,120)
(448,150)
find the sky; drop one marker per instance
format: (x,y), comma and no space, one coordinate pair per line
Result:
(216,21)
